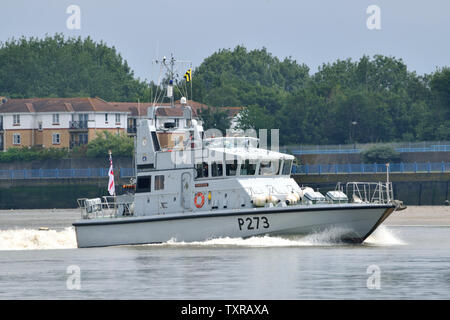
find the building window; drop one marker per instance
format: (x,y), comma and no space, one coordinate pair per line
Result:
(117,118)
(16,119)
(55,118)
(55,138)
(40,125)
(106,118)
(159,182)
(16,138)
(83,138)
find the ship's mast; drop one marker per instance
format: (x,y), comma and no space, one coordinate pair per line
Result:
(171,78)
(168,65)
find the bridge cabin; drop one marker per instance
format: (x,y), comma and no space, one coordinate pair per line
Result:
(178,170)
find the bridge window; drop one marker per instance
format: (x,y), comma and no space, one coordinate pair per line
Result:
(278,169)
(264,168)
(202,170)
(231,168)
(287,167)
(143,184)
(269,168)
(217,169)
(248,168)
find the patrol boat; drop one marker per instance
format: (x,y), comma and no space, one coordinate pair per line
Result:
(193,187)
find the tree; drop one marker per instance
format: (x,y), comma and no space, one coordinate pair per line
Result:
(119,144)
(59,67)
(380,154)
(215,118)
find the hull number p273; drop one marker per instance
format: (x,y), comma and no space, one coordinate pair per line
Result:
(253,223)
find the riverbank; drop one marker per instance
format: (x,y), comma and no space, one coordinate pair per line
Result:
(420,216)
(63,218)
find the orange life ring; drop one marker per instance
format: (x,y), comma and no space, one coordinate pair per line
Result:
(199,205)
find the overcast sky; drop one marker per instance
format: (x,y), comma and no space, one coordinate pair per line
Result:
(312,32)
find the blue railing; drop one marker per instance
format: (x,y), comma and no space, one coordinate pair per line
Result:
(63,173)
(432,148)
(371,168)
(299,169)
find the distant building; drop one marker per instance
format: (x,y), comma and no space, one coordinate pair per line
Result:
(57,122)
(70,122)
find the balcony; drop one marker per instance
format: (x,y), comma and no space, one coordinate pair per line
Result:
(1,126)
(78,125)
(77,144)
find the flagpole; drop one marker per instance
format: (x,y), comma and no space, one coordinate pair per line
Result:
(191,81)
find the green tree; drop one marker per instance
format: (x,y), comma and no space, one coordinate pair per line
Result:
(118,144)
(214,118)
(380,154)
(59,67)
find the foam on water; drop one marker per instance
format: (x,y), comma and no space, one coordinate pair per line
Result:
(32,239)
(325,238)
(383,236)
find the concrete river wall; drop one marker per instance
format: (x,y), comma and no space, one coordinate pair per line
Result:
(412,188)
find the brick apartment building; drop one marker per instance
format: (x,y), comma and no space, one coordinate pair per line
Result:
(69,122)
(56,122)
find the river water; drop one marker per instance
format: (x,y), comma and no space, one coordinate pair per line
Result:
(397,262)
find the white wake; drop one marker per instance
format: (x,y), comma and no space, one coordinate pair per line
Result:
(384,236)
(32,239)
(329,237)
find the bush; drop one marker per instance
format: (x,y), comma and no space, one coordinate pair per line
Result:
(120,145)
(33,153)
(380,154)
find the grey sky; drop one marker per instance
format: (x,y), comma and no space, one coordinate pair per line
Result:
(312,32)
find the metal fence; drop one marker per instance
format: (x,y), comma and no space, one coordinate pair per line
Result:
(371,168)
(300,169)
(426,146)
(55,173)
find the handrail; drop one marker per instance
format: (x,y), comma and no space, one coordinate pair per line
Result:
(105,207)
(368,192)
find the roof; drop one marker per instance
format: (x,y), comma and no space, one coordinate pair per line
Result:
(140,109)
(57,105)
(252,153)
(135,109)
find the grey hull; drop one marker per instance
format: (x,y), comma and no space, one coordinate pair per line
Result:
(357,222)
